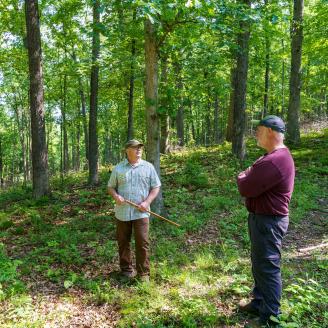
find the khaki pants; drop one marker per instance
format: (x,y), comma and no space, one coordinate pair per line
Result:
(123,234)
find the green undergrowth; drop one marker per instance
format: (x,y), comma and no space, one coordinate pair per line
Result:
(199,272)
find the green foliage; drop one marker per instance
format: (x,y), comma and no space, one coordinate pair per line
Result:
(9,279)
(193,176)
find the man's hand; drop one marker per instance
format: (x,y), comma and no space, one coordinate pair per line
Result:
(244,173)
(144,206)
(119,199)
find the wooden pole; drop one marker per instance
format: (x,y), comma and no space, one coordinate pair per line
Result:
(154,214)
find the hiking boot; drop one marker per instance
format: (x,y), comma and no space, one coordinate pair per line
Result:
(128,274)
(258,323)
(248,308)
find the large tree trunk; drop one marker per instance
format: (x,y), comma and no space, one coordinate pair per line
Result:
(93,136)
(39,146)
(240,83)
(151,99)
(293,129)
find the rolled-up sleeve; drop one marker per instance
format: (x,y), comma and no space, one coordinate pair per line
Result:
(154,179)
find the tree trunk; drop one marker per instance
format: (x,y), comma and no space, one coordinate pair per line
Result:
(266,77)
(231,105)
(93,136)
(216,121)
(39,146)
(151,99)
(267,67)
(283,81)
(64,124)
(240,83)
(293,129)
(179,120)
(131,84)
(1,164)
(83,112)
(20,124)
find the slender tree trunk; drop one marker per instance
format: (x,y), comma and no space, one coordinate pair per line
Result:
(131,84)
(78,140)
(216,120)
(266,77)
(293,129)
(231,105)
(19,122)
(39,146)
(83,112)
(93,136)
(267,67)
(283,81)
(164,117)
(1,163)
(179,120)
(240,83)
(64,123)
(151,99)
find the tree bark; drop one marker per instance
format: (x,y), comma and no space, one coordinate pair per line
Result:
(240,83)
(231,105)
(93,136)
(151,100)
(267,67)
(216,121)
(39,146)
(266,77)
(131,84)
(283,81)
(64,124)
(179,120)
(83,112)
(293,129)
(1,164)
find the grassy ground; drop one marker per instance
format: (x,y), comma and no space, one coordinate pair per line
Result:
(58,256)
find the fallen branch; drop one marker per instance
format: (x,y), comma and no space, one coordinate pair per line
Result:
(303,250)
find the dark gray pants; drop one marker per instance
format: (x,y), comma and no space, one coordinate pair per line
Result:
(266,233)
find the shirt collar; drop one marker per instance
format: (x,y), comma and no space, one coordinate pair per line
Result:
(126,162)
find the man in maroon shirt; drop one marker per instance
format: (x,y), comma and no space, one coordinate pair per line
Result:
(267,186)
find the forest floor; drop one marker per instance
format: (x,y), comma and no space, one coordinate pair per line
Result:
(58,256)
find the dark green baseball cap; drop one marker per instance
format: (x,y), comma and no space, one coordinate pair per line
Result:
(273,122)
(133,143)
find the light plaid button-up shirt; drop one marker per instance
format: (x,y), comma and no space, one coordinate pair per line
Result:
(133,182)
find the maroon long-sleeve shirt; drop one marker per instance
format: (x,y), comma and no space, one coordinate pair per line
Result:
(268,184)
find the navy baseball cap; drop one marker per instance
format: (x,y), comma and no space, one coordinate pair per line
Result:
(273,122)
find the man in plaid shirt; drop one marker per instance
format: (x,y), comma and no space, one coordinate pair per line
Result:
(135,180)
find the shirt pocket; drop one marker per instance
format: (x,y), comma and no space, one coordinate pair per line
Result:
(144,179)
(121,178)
